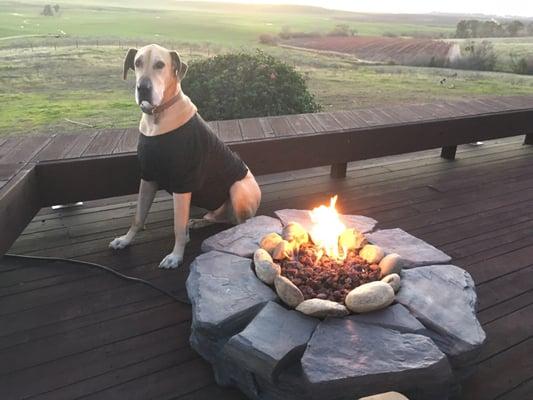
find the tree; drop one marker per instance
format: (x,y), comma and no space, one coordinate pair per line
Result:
(56,8)
(47,11)
(514,27)
(244,85)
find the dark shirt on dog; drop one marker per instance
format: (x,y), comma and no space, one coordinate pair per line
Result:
(192,159)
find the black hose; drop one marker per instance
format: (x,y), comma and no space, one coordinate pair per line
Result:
(102,267)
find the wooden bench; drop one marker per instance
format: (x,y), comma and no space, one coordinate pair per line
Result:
(38,171)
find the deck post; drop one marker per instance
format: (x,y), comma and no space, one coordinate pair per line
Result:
(338,170)
(529,138)
(448,152)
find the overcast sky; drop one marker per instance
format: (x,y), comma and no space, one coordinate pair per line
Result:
(500,7)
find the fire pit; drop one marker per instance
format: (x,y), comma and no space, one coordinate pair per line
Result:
(327,271)
(282,311)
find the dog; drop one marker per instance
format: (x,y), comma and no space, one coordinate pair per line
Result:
(178,152)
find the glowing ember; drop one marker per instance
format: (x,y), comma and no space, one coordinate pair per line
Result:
(326,230)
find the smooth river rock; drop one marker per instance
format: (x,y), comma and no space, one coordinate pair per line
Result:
(413,251)
(443,298)
(294,232)
(270,241)
(347,359)
(394,280)
(265,268)
(225,293)
(274,339)
(283,250)
(369,297)
(320,308)
(359,222)
(288,291)
(243,240)
(372,254)
(390,264)
(352,239)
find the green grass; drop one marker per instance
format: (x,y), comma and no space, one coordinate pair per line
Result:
(46,81)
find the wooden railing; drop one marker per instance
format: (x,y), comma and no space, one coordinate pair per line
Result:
(37,171)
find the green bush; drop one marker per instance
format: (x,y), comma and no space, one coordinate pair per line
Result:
(478,56)
(247,85)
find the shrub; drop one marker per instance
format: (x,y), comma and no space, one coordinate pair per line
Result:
(244,85)
(522,65)
(266,38)
(478,56)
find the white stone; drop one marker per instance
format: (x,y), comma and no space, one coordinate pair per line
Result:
(372,254)
(390,264)
(352,239)
(320,308)
(288,291)
(370,297)
(393,280)
(385,396)
(270,241)
(265,268)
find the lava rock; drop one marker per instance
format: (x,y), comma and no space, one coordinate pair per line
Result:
(359,222)
(320,308)
(265,268)
(393,280)
(369,297)
(242,240)
(345,359)
(413,251)
(274,339)
(372,254)
(288,291)
(390,264)
(443,298)
(225,293)
(395,317)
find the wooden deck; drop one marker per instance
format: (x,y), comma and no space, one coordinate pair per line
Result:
(67,331)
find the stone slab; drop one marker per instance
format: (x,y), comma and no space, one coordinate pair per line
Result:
(443,298)
(361,223)
(274,339)
(395,317)
(242,240)
(225,293)
(414,252)
(345,359)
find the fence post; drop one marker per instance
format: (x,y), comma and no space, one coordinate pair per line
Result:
(338,170)
(448,152)
(528,139)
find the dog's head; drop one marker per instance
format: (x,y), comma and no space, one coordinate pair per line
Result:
(157,72)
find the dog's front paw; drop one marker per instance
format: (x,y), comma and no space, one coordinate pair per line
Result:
(171,261)
(120,243)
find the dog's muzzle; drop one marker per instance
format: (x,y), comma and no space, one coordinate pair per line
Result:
(144,95)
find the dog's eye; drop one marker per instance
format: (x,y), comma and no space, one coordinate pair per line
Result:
(159,65)
(138,63)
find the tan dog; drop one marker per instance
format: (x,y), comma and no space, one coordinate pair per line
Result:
(168,117)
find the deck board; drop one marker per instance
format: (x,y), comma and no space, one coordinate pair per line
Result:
(133,341)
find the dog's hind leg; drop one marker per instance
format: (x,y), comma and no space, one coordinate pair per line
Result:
(245,197)
(147,191)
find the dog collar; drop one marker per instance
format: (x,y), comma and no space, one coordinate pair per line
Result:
(162,107)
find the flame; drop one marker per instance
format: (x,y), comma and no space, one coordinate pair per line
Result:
(327,228)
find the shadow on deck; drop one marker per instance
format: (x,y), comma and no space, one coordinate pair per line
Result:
(67,331)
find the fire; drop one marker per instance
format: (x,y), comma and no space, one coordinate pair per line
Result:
(327,228)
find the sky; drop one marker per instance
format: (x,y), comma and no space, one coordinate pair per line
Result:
(522,8)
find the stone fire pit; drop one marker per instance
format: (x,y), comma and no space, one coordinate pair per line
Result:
(422,345)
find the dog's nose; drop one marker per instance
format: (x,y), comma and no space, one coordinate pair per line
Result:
(144,88)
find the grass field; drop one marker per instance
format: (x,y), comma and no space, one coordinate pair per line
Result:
(45,83)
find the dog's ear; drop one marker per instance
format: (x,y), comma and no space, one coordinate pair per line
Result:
(180,67)
(128,62)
